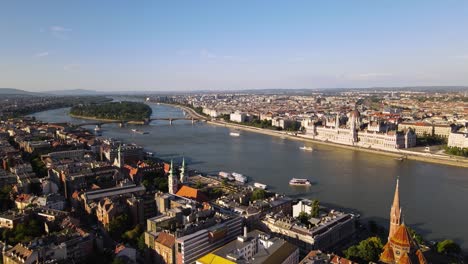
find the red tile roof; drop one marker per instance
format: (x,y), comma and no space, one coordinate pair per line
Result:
(192,193)
(165,239)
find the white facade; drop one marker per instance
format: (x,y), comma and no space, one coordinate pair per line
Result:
(458,140)
(238,117)
(215,112)
(302,206)
(352,135)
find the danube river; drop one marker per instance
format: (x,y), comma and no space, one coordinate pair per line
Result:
(433,196)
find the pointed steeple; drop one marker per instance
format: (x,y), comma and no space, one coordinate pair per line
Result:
(337,121)
(395,212)
(182,172)
(172,181)
(171,170)
(118,161)
(396,197)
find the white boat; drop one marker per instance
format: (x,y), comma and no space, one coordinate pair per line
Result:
(260,185)
(140,132)
(299,182)
(306,148)
(234,134)
(225,175)
(239,177)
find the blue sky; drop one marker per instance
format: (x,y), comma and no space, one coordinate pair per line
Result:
(190,45)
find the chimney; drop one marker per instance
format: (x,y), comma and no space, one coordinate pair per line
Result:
(245,231)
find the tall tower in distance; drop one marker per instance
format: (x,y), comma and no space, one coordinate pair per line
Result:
(183,178)
(118,161)
(172,181)
(395,213)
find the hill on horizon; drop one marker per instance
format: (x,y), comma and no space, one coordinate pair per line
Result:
(13,91)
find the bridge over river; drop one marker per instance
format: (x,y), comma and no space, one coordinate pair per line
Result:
(171,120)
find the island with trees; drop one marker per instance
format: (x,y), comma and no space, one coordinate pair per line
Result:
(113,111)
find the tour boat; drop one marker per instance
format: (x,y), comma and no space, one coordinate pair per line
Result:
(306,148)
(234,134)
(98,131)
(260,185)
(224,175)
(299,182)
(239,177)
(140,132)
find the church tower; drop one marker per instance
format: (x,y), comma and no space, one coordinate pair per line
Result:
(337,121)
(183,178)
(118,161)
(172,181)
(395,212)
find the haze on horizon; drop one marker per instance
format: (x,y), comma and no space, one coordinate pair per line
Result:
(220,45)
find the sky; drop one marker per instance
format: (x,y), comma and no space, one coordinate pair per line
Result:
(154,45)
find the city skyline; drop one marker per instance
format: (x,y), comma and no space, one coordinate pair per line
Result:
(231,46)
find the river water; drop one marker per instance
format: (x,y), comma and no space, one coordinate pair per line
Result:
(434,197)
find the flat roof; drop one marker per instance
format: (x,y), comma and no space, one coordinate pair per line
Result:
(92,195)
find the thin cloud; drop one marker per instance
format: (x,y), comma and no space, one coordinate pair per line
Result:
(42,54)
(59,32)
(207,54)
(297,59)
(461,57)
(367,76)
(71,67)
(59,29)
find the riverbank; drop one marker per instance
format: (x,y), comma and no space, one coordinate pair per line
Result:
(133,122)
(187,109)
(411,155)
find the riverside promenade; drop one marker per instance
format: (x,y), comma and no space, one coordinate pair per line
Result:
(397,153)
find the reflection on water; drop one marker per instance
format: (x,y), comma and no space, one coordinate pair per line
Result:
(433,196)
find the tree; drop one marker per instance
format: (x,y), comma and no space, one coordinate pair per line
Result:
(118,225)
(23,232)
(141,242)
(258,194)
(366,251)
(133,234)
(303,217)
(417,237)
(118,260)
(448,247)
(5,201)
(314,210)
(199,185)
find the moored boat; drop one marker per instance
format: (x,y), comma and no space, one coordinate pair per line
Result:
(239,177)
(234,134)
(306,148)
(299,182)
(260,185)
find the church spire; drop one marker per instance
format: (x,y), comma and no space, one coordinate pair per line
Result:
(118,161)
(182,172)
(395,212)
(171,170)
(172,182)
